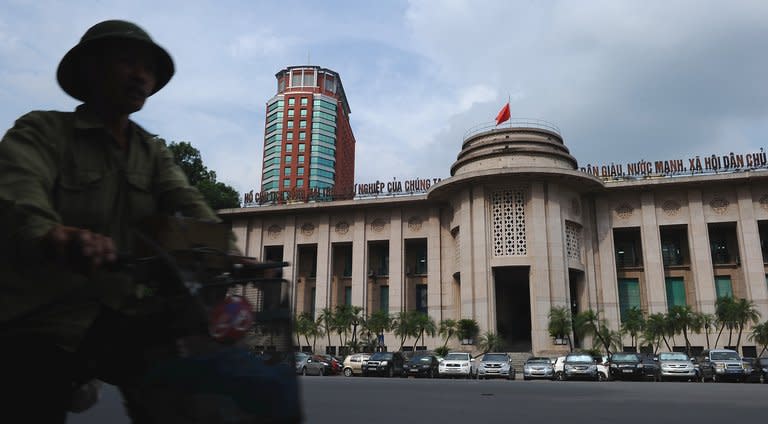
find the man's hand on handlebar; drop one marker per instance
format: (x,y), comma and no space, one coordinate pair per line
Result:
(80,247)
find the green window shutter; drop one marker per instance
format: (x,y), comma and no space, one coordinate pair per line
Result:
(629,295)
(348,295)
(723,287)
(384,298)
(675,292)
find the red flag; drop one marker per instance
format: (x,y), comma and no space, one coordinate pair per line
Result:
(503,114)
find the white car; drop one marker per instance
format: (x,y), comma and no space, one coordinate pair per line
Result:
(456,364)
(558,366)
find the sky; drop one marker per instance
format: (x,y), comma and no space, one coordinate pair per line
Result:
(624,81)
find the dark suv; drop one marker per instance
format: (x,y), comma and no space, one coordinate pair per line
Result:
(626,366)
(384,363)
(721,364)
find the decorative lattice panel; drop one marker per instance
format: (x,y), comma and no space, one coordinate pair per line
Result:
(457,240)
(573,240)
(508,216)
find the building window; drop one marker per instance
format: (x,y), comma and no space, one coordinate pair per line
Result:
(281,85)
(723,243)
(287,171)
(291,101)
(290,112)
(289,135)
(304,101)
(378,259)
(723,286)
(312,302)
(348,295)
(384,298)
(286,182)
(289,148)
(330,84)
(301,158)
(675,292)
(629,295)
(421,298)
(573,240)
(289,124)
(626,241)
(302,135)
(303,113)
(288,159)
(302,146)
(508,218)
(300,183)
(302,124)
(300,171)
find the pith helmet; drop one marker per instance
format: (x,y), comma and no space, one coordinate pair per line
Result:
(69,70)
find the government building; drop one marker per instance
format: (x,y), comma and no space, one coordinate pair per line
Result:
(519,228)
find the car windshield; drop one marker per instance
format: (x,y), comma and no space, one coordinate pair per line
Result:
(538,361)
(725,356)
(300,356)
(625,357)
(381,356)
(495,357)
(579,358)
(457,357)
(673,357)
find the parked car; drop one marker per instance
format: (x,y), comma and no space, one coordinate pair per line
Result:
(721,364)
(457,364)
(580,366)
(421,366)
(322,365)
(538,367)
(626,366)
(650,367)
(603,368)
(493,365)
(558,366)
(384,363)
(300,358)
(353,364)
(675,366)
(762,366)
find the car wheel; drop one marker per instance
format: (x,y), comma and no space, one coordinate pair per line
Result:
(714,378)
(303,370)
(390,372)
(660,379)
(762,379)
(525,378)
(321,372)
(347,372)
(559,376)
(601,377)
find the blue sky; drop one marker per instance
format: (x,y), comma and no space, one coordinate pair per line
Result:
(623,80)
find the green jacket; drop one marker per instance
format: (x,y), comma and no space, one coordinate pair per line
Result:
(65,168)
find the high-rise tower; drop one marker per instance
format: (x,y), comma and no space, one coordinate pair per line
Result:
(308,142)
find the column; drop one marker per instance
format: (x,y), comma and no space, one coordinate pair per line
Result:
(359,259)
(481,273)
(750,252)
(396,263)
(323,281)
(607,291)
(536,221)
(701,255)
(653,267)
(467,262)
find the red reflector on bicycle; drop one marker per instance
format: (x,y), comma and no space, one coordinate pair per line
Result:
(230,319)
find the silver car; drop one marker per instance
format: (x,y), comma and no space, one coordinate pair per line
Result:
(675,366)
(538,367)
(495,365)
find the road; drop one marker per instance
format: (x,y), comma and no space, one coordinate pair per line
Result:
(381,400)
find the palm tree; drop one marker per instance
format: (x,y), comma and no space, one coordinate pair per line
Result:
(633,324)
(744,312)
(423,323)
(447,329)
(342,319)
(760,336)
(490,342)
(377,323)
(588,323)
(302,327)
(357,319)
(467,329)
(682,319)
(403,326)
(560,324)
(705,322)
(655,330)
(724,308)
(326,319)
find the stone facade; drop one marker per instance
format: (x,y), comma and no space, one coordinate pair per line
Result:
(518,229)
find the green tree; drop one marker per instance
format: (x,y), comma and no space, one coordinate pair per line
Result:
(724,311)
(656,331)
(447,329)
(327,322)
(376,324)
(682,318)
(217,194)
(490,342)
(633,324)
(423,324)
(589,323)
(467,329)
(560,324)
(705,322)
(404,326)
(759,335)
(744,313)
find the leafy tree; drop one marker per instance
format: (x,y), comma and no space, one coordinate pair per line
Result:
(404,326)
(633,324)
(724,311)
(327,322)
(447,329)
(490,342)
(423,324)
(217,194)
(342,322)
(588,323)
(377,323)
(656,331)
(705,322)
(467,329)
(682,319)
(744,313)
(760,336)
(560,324)
(308,327)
